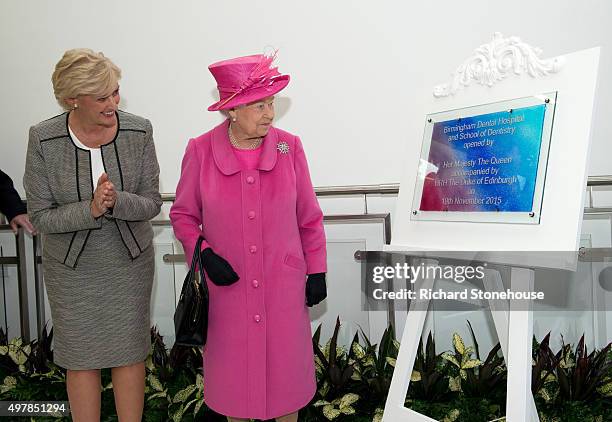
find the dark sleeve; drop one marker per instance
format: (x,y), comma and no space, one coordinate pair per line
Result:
(11,204)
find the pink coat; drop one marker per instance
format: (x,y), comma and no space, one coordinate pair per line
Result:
(267,223)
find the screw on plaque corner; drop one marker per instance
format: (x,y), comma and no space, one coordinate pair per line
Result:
(547,100)
(532,214)
(414,212)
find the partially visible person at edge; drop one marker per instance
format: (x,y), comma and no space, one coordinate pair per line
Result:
(246,189)
(92,185)
(12,206)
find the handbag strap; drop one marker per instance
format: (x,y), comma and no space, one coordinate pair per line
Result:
(197,258)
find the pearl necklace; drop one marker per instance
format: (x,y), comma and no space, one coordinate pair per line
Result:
(253,145)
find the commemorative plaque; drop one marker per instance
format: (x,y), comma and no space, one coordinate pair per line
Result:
(485,163)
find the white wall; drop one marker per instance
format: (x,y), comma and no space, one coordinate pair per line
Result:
(359,67)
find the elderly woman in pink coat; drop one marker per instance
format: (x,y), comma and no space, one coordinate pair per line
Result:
(245,188)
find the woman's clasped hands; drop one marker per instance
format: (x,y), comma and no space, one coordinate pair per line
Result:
(104,197)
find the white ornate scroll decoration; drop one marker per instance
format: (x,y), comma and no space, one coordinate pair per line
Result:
(497,59)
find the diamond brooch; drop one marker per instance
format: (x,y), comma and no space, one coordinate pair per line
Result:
(282,147)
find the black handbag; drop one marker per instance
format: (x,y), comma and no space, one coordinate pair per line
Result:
(191,314)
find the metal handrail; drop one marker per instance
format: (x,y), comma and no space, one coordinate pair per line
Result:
(390,188)
(349,190)
(385,219)
(599,180)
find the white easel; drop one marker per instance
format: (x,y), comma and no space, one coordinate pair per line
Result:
(514,326)
(574,78)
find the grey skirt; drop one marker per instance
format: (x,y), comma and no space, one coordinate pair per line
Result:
(101,309)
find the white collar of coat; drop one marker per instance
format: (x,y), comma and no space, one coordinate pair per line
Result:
(226,159)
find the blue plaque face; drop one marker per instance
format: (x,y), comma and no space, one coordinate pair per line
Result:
(485,163)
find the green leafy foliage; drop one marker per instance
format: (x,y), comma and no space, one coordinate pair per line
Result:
(461,361)
(429,380)
(377,364)
(487,380)
(352,383)
(581,373)
(545,362)
(335,365)
(173,389)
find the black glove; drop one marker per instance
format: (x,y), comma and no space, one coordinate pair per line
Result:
(218,269)
(316,289)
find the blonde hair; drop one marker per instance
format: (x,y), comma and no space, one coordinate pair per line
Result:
(81,71)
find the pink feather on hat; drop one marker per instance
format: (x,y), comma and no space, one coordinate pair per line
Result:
(236,87)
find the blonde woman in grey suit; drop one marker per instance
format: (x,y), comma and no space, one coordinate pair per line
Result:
(92,185)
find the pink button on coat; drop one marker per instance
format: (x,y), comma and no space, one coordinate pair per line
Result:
(267,223)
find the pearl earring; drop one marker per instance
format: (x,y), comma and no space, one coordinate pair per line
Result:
(76,106)
(233,119)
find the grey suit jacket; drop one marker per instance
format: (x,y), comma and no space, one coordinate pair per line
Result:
(58,184)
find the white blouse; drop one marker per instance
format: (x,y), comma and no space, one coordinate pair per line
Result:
(97,165)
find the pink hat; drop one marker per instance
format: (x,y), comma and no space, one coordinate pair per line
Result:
(246,79)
